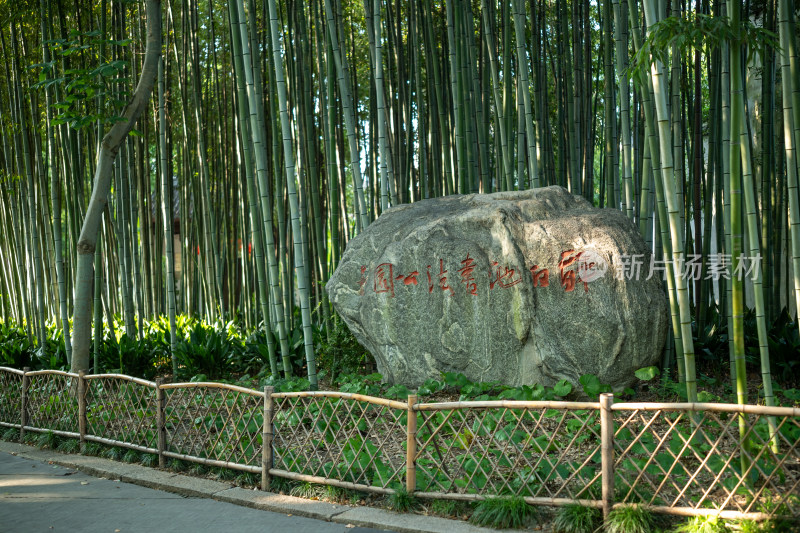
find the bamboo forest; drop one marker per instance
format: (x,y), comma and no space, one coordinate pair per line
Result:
(180,178)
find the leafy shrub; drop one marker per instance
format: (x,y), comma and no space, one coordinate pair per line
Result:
(339,352)
(206,351)
(503,513)
(255,355)
(135,357)
(356,384)
(577,519)
(592,386)
(15,348)
(703,524)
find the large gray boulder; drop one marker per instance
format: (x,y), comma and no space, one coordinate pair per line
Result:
(517,287)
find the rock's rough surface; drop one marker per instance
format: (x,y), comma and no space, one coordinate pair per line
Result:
(507,286)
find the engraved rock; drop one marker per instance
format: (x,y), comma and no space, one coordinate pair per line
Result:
(519,287)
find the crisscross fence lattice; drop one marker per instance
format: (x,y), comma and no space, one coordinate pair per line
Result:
(546,452)
(219,423)
(50,405)
(11,398)
(122,410)
(343,439)
(688,459)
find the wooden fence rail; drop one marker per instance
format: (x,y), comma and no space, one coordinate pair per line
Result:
(676,458)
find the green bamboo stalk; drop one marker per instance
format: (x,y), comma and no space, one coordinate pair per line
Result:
(166,209)
(349,117)
(498,105)
(256,223)
(257,132)
(289,162)
(620,29)
(38,287)
(791,128)
(523,66)
(55,197)
(671,195)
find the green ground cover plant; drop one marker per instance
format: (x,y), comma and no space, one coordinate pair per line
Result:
(577,518)
(503,513)
(634,519)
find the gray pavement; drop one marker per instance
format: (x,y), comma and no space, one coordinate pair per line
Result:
(36,496)
(43,490)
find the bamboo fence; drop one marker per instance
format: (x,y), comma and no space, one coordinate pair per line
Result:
(677,458)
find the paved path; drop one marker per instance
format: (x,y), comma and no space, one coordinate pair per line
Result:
(43,490)
(39,497)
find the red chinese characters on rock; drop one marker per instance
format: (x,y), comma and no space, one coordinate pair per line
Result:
(408,279)
(386,280)
(570,258)
(362,281)
(541,276)
(504,277)
(442,279)
(467,277)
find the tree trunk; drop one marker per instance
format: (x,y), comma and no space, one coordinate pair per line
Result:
(87,241)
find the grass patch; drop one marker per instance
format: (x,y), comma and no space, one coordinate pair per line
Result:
(93,449)
(503,513)
(114,453)
(444,507)
(333,494)
(47,440)
(771,525)
(196,469)
(248,479)
(577,519)
(11,435)
(280,485)
(69,446)
(357,497)
(150,459)
(224,474)
(131,456)
(176,465)
(306,490)
(635,519)
(401,500)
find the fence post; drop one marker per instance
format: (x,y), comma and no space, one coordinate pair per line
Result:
(82,408)
(161,424)
(266,439)
(23,419)
(607,451)
(411,446)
